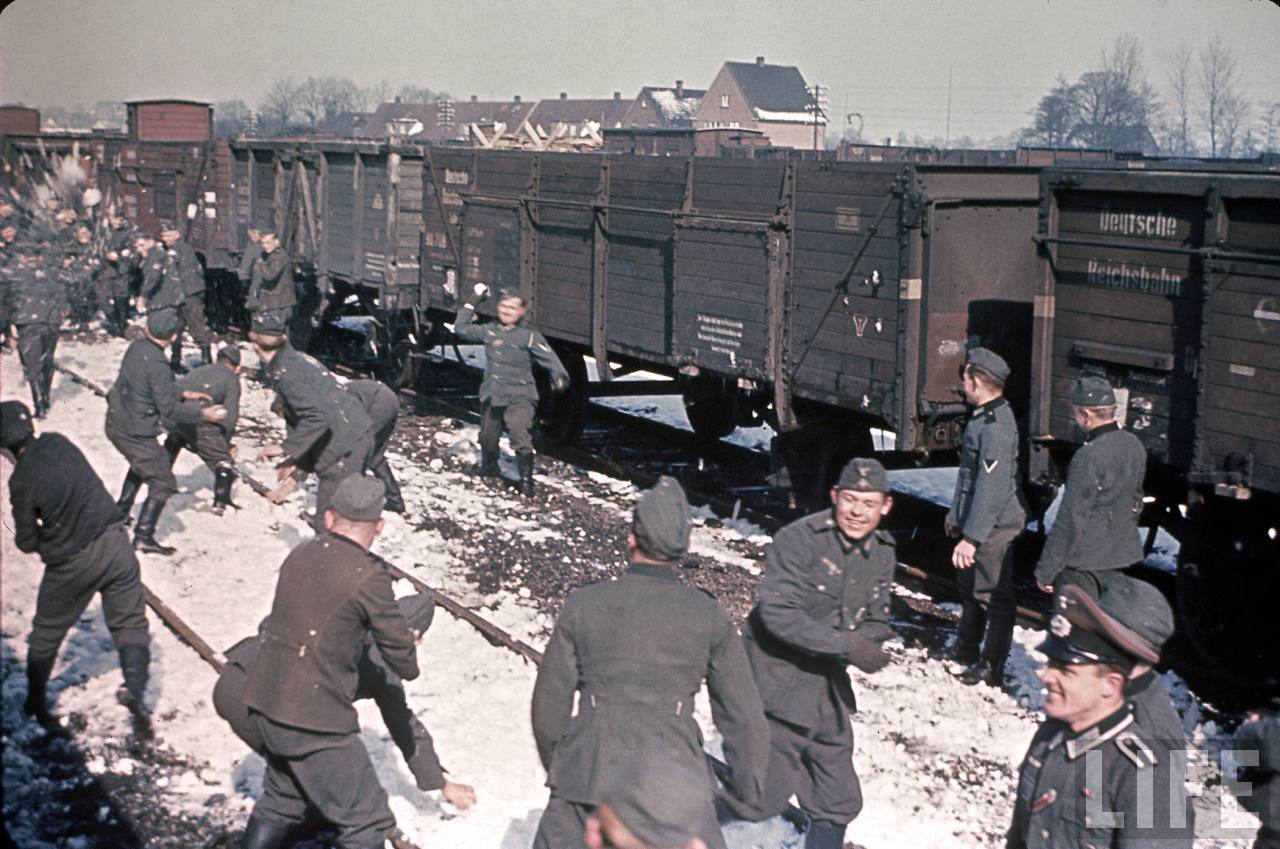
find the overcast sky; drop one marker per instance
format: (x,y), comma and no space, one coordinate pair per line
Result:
(886,59)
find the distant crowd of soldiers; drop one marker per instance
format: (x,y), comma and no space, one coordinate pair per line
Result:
(613,702)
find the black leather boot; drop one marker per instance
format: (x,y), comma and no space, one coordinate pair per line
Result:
(172,447)
(120,311)
(144,535)
(823,834)
(175,357)
(487,467)
(206,356)
(524,462)
(263,833)
(395,501)
(984,672)
(38,407)
(128,492)
(223,477)
(38,671)
(135,664)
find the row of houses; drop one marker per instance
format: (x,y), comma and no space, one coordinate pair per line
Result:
(752,101)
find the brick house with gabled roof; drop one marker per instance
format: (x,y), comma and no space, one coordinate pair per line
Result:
(771,98)
(660,107)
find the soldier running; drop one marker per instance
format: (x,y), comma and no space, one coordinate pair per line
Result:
(331,594)
(987,514)
(62,510)
(1096,531)
(508,393)
(215,383)
(143,403)
(36,306)
(636,651)
(1094,774)
(824,603)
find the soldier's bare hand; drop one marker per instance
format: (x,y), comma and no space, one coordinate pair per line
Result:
(963,555)
(285,472)
(1045,588)
(216,413)
(193,395)
(268,452)
(461,796)
(559,384)
(282,492)
(254,235)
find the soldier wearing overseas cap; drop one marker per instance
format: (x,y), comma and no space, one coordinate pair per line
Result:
(215,383)
(373,681)
(190,274)
(1096,531)
(111,284)
(331,594)
(987,514)
(636,651)
(143,403)
(508,393)
(36,304)
(1258,784)
(649,803)
(329,431)
(62,510)
(1094,775)
(824,603)
(272,295)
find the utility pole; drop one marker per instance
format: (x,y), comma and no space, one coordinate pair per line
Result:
(819,107)
(947,142)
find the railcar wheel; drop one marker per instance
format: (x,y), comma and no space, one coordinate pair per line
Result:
(712,410)
(561,414)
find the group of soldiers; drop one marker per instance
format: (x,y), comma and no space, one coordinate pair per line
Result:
(613,702)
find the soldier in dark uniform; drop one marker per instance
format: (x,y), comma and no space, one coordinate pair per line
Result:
(987,514)
(162,286)
(1096,531)
(383,406)
(1260,736)
(36,306)
(191,274)
(272,295)
(824,603)
(374,681)
(62,510)
(143,403)
(508,393)
(331,594)
(1094,775)
(649,802)
(79,262)
(112,281)
(329,432)
(215,383)
(636,651)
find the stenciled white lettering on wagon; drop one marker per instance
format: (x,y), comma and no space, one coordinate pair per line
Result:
(723,334)
(1138,277)
(1153,225)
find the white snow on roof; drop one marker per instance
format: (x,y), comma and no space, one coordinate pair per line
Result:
(672,107)
(787,117)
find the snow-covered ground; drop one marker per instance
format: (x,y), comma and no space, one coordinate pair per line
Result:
(937,760)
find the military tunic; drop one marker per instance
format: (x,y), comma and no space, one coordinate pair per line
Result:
(300,689)
(271,289)
(62,510)
(113,276)
(36,304)
(329,431)
(1108,786)
(636,651)
(383,406)
(1097,526)
(143,403)
(1262,736)
(508,392)
(211,441)
(987,510)
(161,284)
(820,593)
(190,274)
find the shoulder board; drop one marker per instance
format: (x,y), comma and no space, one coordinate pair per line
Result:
(886,538)
(1133,748)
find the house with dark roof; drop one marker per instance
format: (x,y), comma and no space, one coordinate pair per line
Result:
(755,96)
(449,121)
(664,108)
(583,120)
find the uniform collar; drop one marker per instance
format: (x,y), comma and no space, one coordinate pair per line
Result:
(1099,431)
(993,404)
(1134,686)
(652,570)
(1092,738)
(826,522)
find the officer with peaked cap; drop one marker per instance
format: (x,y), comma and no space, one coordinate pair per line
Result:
(636,651)
(143,403)
(1094,774)
(649,803)
(374,681)
(988,515)
(823,604)
(62,510)
(213,383)
(1096,530)
(331,594)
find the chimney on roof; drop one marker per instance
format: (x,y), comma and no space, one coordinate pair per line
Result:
(679,88)
(517,100)
(759,61)
(397,100)
(617,95)
(564,95)
(474,98)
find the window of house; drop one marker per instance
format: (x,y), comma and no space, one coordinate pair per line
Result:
(724,101)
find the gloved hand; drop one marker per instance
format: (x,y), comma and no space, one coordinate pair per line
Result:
(866,653)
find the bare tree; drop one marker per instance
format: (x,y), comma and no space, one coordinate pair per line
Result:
(1181,71)
(409,93)
(231,117)
(1224,108)
(280,103)
(379,92)
(1271,127)
(1056,115)
(1116,102)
